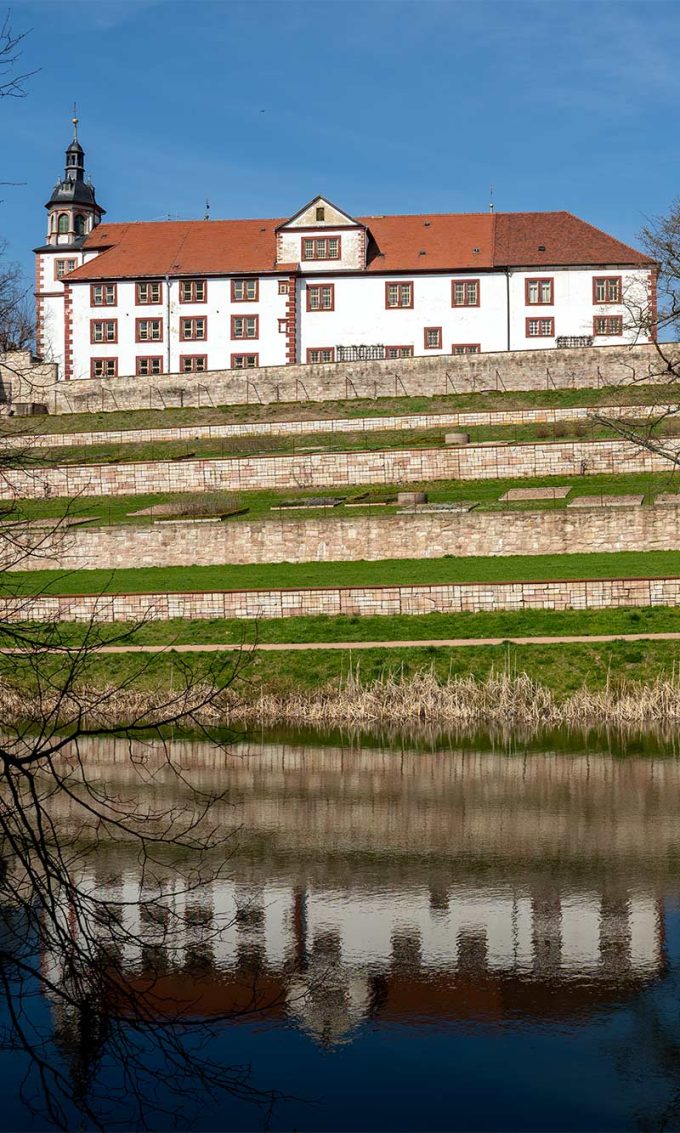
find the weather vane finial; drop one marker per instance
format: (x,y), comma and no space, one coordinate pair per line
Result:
(75,122)
(491,202)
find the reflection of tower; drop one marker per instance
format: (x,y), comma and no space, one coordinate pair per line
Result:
(547,909)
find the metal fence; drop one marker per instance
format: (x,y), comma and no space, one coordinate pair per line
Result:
(359,353)
(574,340)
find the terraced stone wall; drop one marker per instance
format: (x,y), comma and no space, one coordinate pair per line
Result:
(354,601)
(334,425)
(339,470)
(331,539)
(410,377)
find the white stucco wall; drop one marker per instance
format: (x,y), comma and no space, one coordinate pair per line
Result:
(359,316)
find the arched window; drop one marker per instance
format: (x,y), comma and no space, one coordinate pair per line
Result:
(80,224)
(63,223)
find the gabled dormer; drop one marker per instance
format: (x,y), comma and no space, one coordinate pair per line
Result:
(321,237)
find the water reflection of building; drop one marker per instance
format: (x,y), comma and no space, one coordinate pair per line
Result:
(373,884)
(331,959)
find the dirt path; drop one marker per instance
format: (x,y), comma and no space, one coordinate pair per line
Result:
(448,643)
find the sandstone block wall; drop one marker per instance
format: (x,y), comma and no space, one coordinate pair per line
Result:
(354,601)
(524,369)
(29,439)
(336,470)
(336,539)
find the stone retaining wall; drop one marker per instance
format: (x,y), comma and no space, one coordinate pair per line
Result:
(592,594)
(335,425)
(344,470)
(521,369)
(331,539)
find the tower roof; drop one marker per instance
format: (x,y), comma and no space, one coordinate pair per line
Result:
(73,188)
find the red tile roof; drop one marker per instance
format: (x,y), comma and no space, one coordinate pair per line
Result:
(439,242)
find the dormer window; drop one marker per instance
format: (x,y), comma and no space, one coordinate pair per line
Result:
(320,213)
(323,248)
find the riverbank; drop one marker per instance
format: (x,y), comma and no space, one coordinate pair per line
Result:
(619,683)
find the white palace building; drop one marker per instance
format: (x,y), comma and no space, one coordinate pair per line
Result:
(185,297)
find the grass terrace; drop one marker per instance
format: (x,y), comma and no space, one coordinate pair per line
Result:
(489,401)
(384,572)
(368,500)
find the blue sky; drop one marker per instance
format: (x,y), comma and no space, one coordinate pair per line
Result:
(384,107)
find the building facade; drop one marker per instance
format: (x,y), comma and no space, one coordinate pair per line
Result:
(321,286)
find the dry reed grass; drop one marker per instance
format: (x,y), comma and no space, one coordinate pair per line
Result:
(501,700)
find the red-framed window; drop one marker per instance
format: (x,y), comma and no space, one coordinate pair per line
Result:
(148,330)
(283,326)
(245,290)
(540,328)
(610,325)
(607,288)
(63,267)
(103,330)
(394,352)
(193,291)
(193,363)
(148,292)
(245,361)
(147,367)
(245,326)
(193,329)
(399,295)
(465,348)
(465,292)
(103,294)
(432,337)
(283,287)
(540,291)
(320,296)
(103,367)
(320,354)
(321,247)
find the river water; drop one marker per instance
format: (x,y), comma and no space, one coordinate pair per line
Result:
(426,932)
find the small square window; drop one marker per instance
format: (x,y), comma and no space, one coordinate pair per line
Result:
(283,287)
(433,338)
